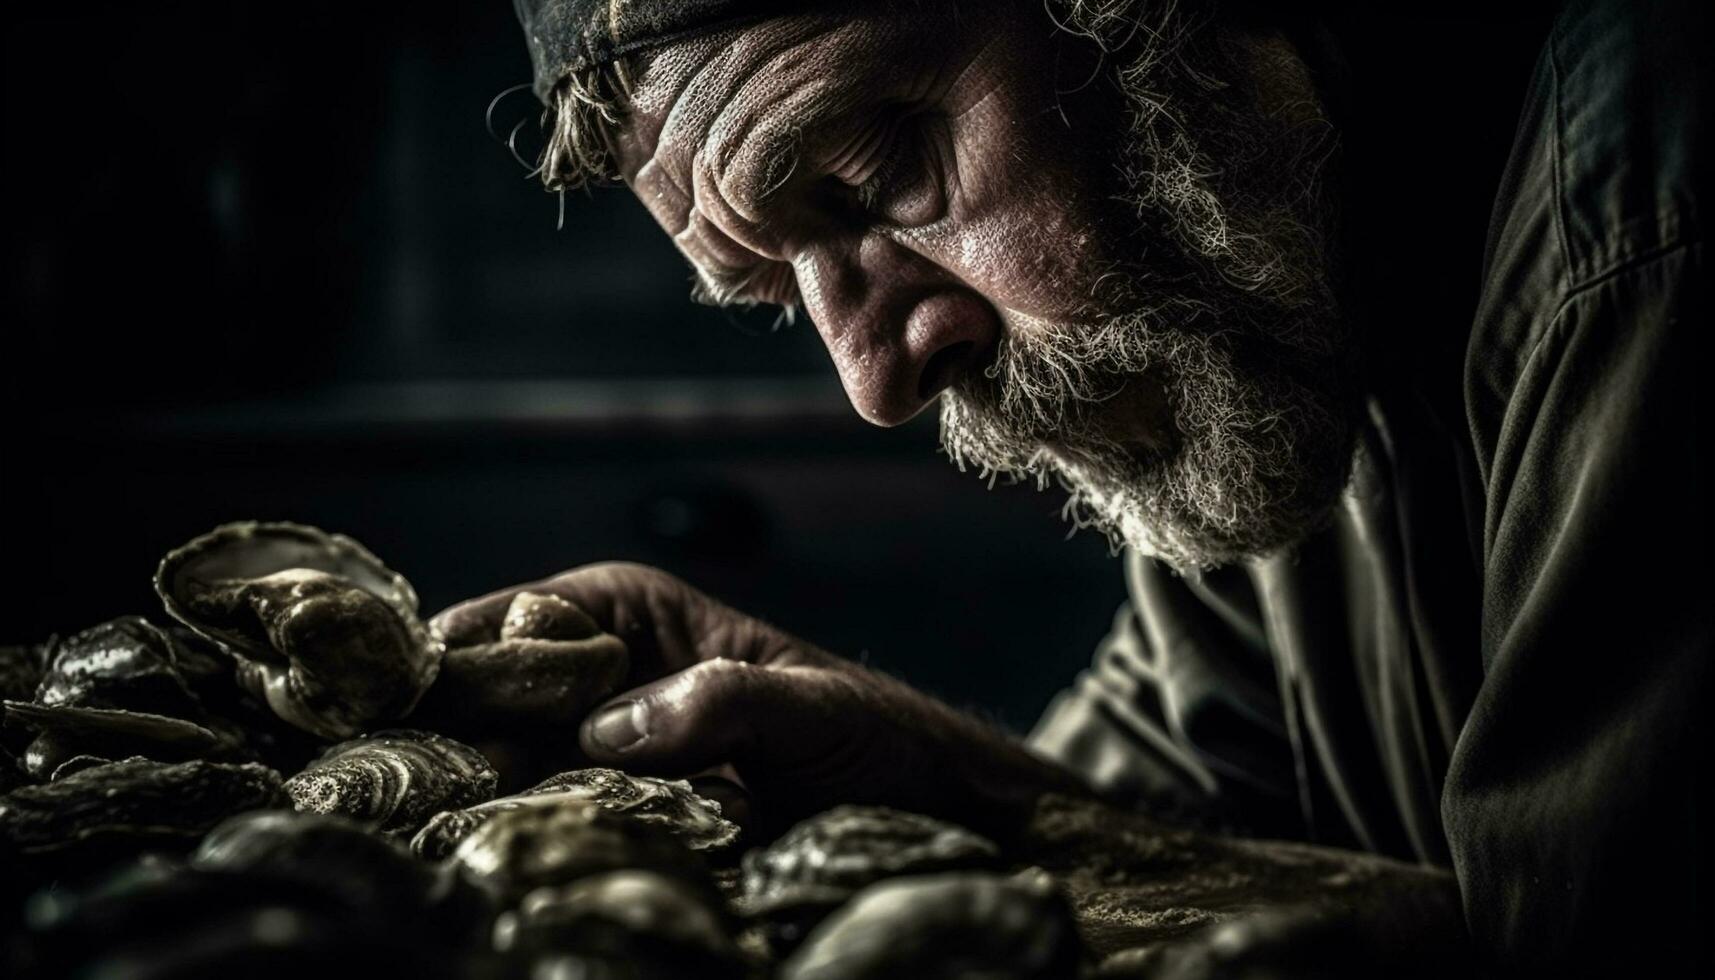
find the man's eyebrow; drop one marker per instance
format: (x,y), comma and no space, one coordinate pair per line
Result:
(765,283)
(727,287)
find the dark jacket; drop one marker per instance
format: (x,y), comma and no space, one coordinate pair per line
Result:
(1497,656)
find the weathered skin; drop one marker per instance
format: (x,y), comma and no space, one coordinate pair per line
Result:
(922,184)
(923,188)
(545,662)
(804,729)
(987,185)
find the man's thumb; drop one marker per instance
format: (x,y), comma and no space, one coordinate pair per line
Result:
(714,712)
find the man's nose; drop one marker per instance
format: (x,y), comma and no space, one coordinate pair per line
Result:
(899,329)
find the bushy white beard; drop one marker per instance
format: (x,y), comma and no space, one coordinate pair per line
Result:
(1239,327)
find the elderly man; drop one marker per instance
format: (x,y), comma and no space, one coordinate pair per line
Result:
(1110,239)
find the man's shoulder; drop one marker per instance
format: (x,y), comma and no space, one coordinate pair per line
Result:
(1606,176)
(1630,114)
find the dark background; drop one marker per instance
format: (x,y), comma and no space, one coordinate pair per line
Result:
(264,260)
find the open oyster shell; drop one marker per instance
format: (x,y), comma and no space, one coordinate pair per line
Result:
(393,780)
(946,925)
(671,805)
(324,632)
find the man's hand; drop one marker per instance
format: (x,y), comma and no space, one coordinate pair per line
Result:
(804,729)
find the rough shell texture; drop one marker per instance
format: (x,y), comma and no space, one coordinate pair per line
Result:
(947,925)
(521,850)
(68,731)
(393,780)
(324,632)
(646,921)
(673,806)
(823,860)
(547,663)
(136,798)
(79,763)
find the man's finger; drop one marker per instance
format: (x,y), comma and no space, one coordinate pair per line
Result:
(596,589)
(514,683)
(775,719)
(475,620)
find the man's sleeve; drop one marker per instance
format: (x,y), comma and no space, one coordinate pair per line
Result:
(1177,713)
(1578,805)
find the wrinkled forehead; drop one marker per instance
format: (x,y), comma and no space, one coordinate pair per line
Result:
(748,103)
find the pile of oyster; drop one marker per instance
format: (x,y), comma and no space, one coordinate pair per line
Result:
(253,788)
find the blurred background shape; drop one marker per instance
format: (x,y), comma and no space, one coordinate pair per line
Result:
(266,261)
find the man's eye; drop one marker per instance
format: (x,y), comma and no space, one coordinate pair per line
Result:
(895,161)
(904,188)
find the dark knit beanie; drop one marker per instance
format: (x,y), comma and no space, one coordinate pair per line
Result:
(576,35)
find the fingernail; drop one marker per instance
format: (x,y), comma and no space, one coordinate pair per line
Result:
(619,725)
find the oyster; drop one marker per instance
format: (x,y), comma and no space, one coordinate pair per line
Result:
(824,860)
(673,806)
(127,663)
(393,779)
(521,850)
(208,671)
(79,763)
(637,921)
(137,799)
(114,690)
(547,663)
(323,632)
(947,925)
(359,868)
(68,732)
